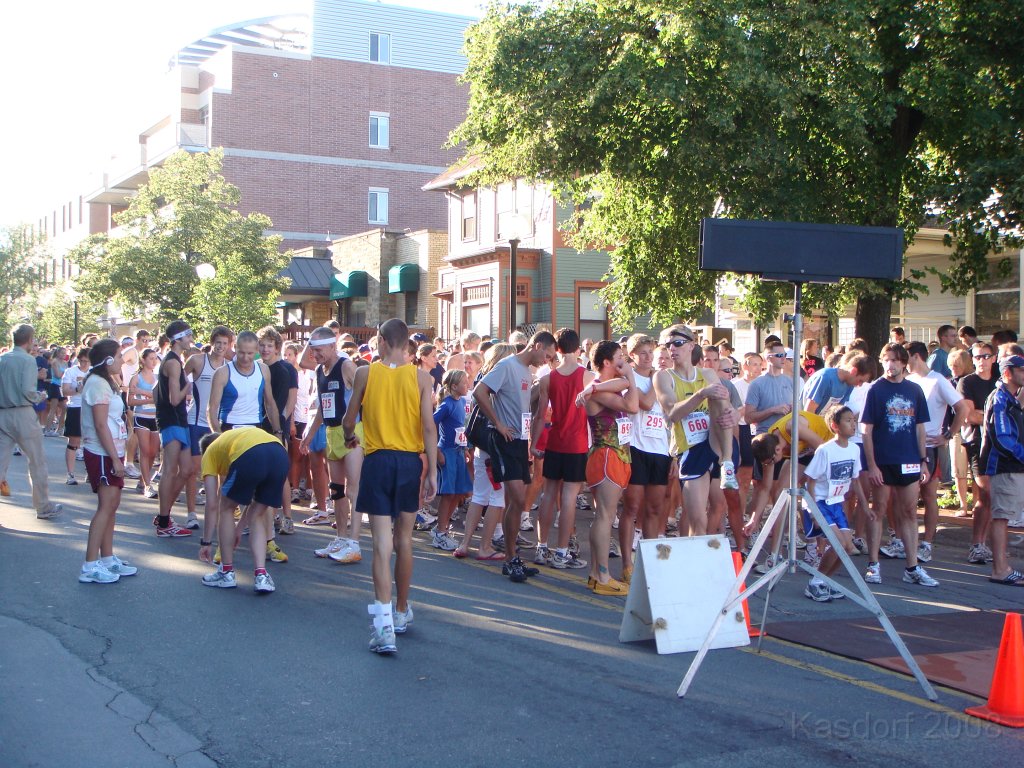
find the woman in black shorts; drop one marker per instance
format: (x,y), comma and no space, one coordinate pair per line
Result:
(140,397)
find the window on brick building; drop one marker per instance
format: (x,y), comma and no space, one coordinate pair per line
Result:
(378,208)
(380,130)
(380,48)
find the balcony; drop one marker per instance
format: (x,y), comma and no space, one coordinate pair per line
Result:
(129,171)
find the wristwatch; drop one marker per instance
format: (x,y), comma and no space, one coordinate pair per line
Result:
(205,543)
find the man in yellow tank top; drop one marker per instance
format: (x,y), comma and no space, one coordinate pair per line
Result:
(697,406)
(398,425)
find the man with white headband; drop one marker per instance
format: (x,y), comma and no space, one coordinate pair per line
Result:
(335,374)
(171,418)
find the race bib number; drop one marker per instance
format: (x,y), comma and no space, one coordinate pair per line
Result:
(653,425)
(468,408)
(837,490)
(328,405)
(460,437)
(525,425)
(625,429)
(911,469)
(695,428)
(122,430)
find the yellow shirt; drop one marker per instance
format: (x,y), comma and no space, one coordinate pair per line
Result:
(391,409)
(694,428)
(817,424)
(229,446)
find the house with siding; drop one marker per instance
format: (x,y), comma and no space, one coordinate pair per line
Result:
(994,306)
(556,285)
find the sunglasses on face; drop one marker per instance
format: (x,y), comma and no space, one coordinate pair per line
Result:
(677,343)
(777,354)
(986,356)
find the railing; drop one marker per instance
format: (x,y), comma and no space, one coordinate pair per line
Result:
(193,135)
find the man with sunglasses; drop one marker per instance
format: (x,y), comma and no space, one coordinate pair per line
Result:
(769,397)
(727,500)
(697,406)
(976,387)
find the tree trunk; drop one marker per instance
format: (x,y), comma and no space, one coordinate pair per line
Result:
(872,320)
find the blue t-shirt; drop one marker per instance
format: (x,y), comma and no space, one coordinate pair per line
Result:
(895,410)
(42,365)
(938,361)
(450,418)
(824,387)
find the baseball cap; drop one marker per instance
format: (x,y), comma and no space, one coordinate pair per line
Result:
(420,338)
(789,353)
(1013,361)
(126,339)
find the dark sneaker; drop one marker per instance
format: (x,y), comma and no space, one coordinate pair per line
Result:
(527,570)
(819,593)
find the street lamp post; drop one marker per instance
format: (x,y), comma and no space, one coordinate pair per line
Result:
(517,227)
(72,294)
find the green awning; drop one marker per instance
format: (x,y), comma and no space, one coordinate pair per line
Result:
(349,286)
(403,278)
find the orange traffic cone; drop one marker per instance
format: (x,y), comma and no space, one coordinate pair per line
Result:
(737,562)
(1006,697)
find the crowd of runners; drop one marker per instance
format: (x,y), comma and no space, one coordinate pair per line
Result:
(660,436)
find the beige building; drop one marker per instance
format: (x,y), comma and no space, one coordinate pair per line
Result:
(363,280)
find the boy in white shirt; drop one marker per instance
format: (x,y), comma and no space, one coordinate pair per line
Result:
(830,478)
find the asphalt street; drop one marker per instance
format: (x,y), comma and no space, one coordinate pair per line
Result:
(159,670)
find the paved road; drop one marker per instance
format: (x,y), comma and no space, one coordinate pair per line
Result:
(158,670)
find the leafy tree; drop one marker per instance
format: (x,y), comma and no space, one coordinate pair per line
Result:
(55,317)
(183,217)
(22,255)
(651,114)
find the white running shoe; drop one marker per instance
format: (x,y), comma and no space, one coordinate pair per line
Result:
(919,576)
(349,553)
(335,546)
(220,579)
(402,619)
(97,573)
(924,552)
(263,583)
(121,568)
(873,574)
(443,540)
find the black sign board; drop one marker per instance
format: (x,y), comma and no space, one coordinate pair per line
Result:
(806,253)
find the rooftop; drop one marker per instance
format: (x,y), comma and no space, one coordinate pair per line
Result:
(290,32)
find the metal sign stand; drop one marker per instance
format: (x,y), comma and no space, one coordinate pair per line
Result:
(789,503)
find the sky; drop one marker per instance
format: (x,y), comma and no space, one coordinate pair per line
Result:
(69,74)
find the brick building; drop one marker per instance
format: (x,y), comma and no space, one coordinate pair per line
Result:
(329,125)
